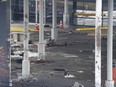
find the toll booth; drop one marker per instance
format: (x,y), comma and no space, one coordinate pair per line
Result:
(4,43)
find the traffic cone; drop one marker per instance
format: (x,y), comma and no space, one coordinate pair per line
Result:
(36,27)
(61,26)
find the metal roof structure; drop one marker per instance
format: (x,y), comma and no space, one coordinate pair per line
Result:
(88,0)
(104,1)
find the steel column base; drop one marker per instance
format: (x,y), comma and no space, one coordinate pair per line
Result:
(109,83)
(54,33)
(25,68)
(41,51)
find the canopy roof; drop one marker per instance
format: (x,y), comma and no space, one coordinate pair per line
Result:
(104,1)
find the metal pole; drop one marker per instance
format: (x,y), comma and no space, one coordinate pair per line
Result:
(44,12)
(102,13)
(10,80)
(10,41)
(110,82)
(41,47)
(26,62)
(66,15)
(36,11)
(83,12)
(66,6)
(74,18)
(54,30)
(98,43)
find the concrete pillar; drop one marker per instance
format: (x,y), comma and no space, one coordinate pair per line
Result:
(66,15)
(41,47)
(54,30)
(26,61)
(109,81)
(98,43)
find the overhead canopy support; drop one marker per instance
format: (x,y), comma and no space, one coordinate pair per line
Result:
(41,46)
(26,62)
(66,15)
(44,12)
(109,81)
(36,11)
(98,43)
(74,19)
(54,30)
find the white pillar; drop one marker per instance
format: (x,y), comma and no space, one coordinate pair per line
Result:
(66,15)
(54,30)
(41,47)
(109,81)
(15,36)
(98,43)
(26,62)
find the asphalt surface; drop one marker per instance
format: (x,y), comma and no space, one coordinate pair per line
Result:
(72,54)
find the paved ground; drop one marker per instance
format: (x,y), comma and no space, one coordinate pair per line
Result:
(74,54)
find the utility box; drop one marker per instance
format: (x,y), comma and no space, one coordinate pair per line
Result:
(4,43)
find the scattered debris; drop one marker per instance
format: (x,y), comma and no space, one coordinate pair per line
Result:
(69,76)
(21,53)
(86,51)
(68,55)
(80,51)
(44,61)
(76,41)
(80,71)
(59,69)
(76,84)
(51,74)
(50,42)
